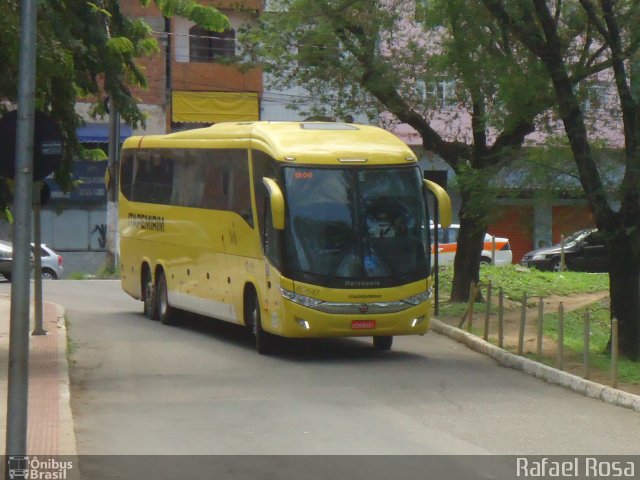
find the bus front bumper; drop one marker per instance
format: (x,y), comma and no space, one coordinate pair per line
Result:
(294,320)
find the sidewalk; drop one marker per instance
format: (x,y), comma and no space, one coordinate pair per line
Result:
(50,425)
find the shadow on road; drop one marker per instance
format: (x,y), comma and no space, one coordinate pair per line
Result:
(294,349)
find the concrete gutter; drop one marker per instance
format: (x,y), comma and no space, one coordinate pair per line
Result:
(67,437)
(539,370)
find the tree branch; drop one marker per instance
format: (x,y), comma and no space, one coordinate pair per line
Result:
(629,105)
(590,9)
(374,78)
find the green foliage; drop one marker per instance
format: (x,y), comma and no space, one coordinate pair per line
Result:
(86,49)
(72,347)
(205,16)
(120,46)
(93,154)
(316,44)
(481,193)
(445,67)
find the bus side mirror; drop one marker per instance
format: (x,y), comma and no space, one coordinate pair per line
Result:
(443,200)
(276,202)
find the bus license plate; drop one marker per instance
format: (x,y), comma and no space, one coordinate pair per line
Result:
(363,324)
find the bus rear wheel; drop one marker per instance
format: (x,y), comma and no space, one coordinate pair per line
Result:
(166,313)
(263,340)
(382,343)
(149,297)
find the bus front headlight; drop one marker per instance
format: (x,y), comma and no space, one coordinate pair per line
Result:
(418,299)
(300,299)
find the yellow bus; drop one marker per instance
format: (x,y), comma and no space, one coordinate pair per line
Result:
(294,229)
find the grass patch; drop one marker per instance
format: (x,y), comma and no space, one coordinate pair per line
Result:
(600,326)
(107,272)
(78,276)
(515,281)
(103,273)
(72,347)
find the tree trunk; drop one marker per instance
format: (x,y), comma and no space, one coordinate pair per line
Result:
(467,260)
(624,289)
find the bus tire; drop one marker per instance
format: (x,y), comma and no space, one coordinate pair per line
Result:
(149,295)
(382,343)
(263,340)
(166,313)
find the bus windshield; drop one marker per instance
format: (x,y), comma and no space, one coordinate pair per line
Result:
(356,227)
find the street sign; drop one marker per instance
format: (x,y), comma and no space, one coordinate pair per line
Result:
(47,145)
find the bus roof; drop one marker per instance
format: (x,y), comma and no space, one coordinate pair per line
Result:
(294,142)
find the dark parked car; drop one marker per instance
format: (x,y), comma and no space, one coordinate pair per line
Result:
(584,251)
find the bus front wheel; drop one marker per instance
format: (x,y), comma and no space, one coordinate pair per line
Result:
(382,343)
(263,340)
(166,313)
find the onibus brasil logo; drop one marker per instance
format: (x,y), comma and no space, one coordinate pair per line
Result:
(33,468)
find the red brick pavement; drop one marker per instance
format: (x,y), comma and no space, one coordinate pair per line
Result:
(43,432)
(50,424)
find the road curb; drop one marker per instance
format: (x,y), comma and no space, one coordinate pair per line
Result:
(539,370)
(67,434)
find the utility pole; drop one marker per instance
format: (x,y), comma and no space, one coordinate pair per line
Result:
(38,328)
(112,188)
(18,382)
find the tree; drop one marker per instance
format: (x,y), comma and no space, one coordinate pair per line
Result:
(615,40)
(87,49)
(349,55)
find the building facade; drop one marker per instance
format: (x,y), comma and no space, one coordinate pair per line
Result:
(192,82)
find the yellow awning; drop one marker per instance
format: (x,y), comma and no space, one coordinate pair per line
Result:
(214,107)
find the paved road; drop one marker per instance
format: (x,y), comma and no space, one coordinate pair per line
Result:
(139,387)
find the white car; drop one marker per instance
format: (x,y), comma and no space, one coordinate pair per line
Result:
(52,268)
(51,262)
(6,256)
(447,247)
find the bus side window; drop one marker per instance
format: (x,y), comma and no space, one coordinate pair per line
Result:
(126,172)
(222,180)
(213,195)
(151,178)
(162,166)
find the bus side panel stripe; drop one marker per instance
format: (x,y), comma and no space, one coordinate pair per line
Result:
(202,306)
